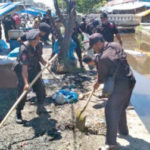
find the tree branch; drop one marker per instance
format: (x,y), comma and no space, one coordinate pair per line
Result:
(59,13)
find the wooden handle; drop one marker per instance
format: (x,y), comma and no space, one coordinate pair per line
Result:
(25,92)
(89,98)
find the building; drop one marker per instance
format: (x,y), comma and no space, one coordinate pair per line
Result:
(26,2)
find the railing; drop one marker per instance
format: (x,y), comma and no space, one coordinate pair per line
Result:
(124,19)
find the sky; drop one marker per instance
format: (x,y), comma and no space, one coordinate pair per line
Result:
(46,2)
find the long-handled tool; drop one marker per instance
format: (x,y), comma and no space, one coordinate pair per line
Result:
(80,117)
(25,92)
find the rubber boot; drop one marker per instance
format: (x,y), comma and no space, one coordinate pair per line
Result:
(19,117)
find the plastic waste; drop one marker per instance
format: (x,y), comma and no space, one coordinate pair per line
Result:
(14,53)
(65,96)
(4,49)
(3,45)
(59,98)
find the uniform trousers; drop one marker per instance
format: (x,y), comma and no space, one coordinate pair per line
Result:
(115,111)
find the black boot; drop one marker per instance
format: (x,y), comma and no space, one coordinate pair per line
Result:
(19,117)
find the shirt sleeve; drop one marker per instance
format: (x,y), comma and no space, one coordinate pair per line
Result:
(115,29)
(24,58)
(103,67)
(23,38)
(40,49)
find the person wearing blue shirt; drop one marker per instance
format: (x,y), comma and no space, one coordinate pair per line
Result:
(70,51)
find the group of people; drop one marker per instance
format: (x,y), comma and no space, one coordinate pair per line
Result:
(112,66)
(110,61)
(10,22)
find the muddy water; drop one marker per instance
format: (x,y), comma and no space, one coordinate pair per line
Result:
(140,62)
(137,58)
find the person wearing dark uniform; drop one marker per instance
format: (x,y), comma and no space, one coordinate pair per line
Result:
(75,34)
(108,29)
(29,59)
(46,19)
(89,28)
(109,59)
(83,25)
(9,24)
(43,28)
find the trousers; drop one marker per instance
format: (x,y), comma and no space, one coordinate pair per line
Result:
(78,50)
(38,88)
(115,110)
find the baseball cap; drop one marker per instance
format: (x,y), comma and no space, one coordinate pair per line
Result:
(32,34)
(57,20)
(103,15)
(94,38)
(44,27)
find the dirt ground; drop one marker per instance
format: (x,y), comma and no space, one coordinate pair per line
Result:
(55,130)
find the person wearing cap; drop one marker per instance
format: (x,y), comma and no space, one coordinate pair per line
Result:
(75,36)
(54,37)
(43,28)
(83,25)
(36,24)
(38,18)
(110,61)
(8,24)
(29,59)
(108,29)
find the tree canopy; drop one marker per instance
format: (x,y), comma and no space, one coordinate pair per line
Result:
(85,6)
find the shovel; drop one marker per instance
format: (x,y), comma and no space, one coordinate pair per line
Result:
(25,92)
(80,117)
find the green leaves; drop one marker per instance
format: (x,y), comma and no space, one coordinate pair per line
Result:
(84,6)
(87,6)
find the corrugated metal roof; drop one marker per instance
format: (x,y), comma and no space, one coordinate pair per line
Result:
(116,2)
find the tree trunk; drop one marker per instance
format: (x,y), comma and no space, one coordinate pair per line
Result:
(64,64)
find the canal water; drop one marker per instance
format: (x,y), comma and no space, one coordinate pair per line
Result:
(140,63)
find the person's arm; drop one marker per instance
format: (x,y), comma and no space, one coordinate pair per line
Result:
(52,55)
(24,63)
(117,34)
(81,33)
(96,85)
(22,38)
(25,76)
(119,38)
(103,68)
(43,61)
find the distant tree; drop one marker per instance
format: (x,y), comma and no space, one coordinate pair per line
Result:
(86,6)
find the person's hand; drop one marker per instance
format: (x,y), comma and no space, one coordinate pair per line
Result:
(26,87)
(96,86)
(19,40)
(48,64)
(120,43)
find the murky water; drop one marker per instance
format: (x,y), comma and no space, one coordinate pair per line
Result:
(140,62)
